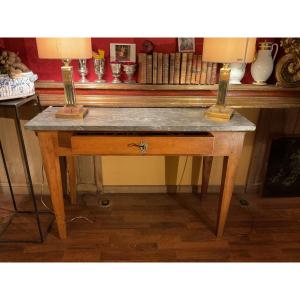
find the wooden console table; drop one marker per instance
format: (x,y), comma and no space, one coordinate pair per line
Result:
(271,102)
(140,131)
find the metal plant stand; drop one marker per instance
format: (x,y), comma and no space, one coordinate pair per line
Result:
(23,108)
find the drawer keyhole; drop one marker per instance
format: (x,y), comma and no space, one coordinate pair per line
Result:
(142,146)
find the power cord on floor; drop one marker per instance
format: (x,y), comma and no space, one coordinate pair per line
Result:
(80,217)
(42,191)
(3,217)
(48,208)
(182,174)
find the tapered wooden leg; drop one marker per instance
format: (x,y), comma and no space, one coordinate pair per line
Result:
(206,169)
(230,164)
(48,142)
(72,178)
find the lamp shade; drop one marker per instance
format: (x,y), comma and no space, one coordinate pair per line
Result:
(229,50)
(64,48)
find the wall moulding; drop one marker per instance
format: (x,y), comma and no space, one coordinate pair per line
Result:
(142,95)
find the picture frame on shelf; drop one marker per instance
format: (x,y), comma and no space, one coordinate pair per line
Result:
(186,44)
(122,52)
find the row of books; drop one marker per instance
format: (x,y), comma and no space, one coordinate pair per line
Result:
(175,68)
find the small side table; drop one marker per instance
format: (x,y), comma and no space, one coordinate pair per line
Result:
(18,109)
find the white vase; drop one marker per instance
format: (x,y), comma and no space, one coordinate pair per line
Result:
(237,72)
(262,67)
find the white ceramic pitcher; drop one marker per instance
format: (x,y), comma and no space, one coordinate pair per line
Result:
(237,72)
(262,67)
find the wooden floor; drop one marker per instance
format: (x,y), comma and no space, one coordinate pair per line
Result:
(165,228)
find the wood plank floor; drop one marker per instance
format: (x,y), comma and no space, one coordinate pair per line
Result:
(165,228)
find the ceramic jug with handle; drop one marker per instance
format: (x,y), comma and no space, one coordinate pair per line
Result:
(262,67)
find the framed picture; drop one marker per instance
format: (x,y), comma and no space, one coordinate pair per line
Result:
(122,52)
(186,44)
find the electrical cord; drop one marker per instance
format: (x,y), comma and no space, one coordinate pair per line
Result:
(85,218)
(42,191)
(48,208)
(80,217)
(182,174)
(3,217)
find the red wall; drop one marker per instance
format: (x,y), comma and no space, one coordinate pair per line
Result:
(50,69)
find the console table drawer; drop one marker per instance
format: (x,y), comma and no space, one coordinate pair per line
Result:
(142,145)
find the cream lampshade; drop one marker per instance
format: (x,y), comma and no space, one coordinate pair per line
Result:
(66,49)
(229,50)
(226,51)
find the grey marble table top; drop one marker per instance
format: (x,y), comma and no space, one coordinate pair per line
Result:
(138,119)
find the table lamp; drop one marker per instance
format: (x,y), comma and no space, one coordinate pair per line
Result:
(66,49)
(226,51)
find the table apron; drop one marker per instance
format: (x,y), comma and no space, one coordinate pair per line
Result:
(210,144)
(142,145)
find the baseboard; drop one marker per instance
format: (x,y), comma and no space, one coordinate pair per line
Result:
(254,188)
(164,189)
(23,189)
(86,187)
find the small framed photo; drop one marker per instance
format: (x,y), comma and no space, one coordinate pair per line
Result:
(186,44)
(122,52)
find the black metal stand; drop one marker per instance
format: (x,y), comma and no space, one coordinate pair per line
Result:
(14,106)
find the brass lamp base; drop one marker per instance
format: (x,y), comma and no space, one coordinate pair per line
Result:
(219,112)
(71,112)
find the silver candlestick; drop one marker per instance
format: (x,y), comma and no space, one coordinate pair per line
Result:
(99,67)
(83,70)
(116,72)
(129,70)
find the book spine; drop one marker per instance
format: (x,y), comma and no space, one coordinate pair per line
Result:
(159,68)
(166,68)
(149,69)
(177,68)
(208,74)
(189,68)
(154,65)
(203,72)
(142,67)
(198,72)
(213,79)
(172,68)
(194,69)
(183,68)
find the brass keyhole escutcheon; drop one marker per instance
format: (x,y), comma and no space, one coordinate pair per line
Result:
(142,146)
